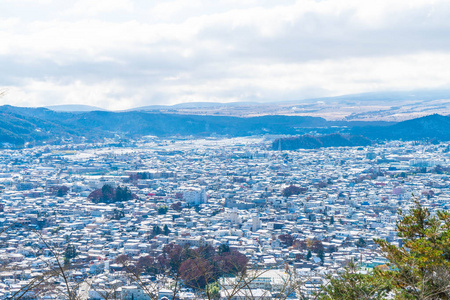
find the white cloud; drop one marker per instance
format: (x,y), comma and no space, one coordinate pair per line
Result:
(123,53)
(93,8)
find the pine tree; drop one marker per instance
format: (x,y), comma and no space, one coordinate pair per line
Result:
(361,243)
(166,229)
(156,230)
(309,255)
(420,269)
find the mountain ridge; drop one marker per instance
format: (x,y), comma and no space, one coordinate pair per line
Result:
(21,126)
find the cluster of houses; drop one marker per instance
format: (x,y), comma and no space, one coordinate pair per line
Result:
(294,214)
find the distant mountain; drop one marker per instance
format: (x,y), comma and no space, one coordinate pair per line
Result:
(194,105)
(379,97)
(21,125)
(429,127)
(387,96)
(392,106)
(73,108)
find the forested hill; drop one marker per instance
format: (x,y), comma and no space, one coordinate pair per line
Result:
(429,127)
(20,125)
(313,142)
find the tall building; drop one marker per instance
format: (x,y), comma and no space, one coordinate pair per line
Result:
(256,222)
(194,196)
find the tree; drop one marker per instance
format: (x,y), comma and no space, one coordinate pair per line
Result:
(321,255)
(108,193)
(62,191)
(166,230)
(360,243)
(231,263)
(331,248)
(223,248)
(123,194)
(420,269)
(197,272)
(308,255)
(213,290)
(118,214)
(122,259)
(300,244)
(147,264)
(314,245)
(286,239)
(352,285)
(96,196)
(293,190)
(162,210)
(176,206)
(69,253)
(175,255)
(156,230)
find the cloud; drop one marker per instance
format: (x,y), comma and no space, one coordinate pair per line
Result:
(93,8)
(121,53)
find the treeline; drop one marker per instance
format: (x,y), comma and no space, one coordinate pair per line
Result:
(419,269)
(109,194)
(196,267)
(293,190)
(314,142)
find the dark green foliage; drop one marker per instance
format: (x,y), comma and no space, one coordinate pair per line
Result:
(109,194)
(123,194)
(62,191)
(429,127)
(213,291)
(59,191)
(69,253)
(166,230)
(118,214)
(360,243)
(315,142)
(163,209)
(293,190)
(321,255)
(420,269)
(352,285)
(156,230)
(223,248)
(19,125)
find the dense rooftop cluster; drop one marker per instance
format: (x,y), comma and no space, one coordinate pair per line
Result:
(305,212)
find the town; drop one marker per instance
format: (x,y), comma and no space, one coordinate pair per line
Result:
(110,221)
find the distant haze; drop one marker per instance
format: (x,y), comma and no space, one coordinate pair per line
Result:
(122,54)
(73,108)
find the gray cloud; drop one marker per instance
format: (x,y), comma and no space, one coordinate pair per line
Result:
(121,53)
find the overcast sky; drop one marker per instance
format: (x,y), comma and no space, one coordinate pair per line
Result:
(119,54)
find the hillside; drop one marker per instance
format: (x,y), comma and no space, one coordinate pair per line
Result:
(315,142)
(19,125)
(429,127)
